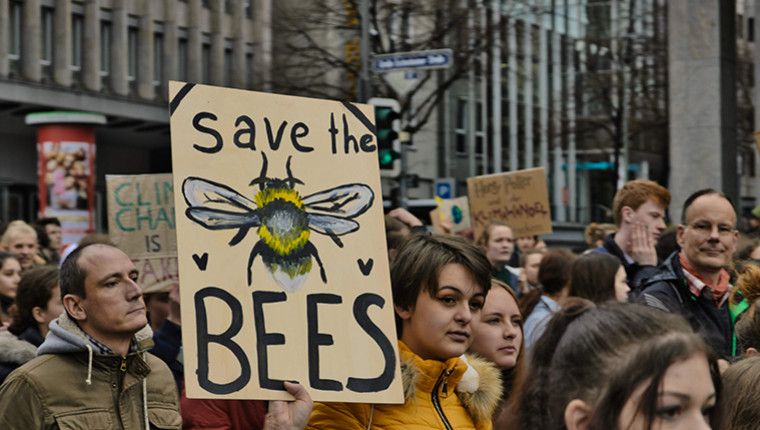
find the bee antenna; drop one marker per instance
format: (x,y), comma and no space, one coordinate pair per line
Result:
(263,175)
(291,179)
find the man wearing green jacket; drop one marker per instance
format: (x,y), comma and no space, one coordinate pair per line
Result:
(92,371)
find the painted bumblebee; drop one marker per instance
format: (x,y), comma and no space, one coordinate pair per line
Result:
(282,218)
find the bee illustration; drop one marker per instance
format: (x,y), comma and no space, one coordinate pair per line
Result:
(282,218)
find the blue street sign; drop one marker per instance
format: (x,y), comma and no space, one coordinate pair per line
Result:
(419,60)
(444,188)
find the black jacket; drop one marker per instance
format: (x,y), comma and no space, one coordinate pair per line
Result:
(668,290)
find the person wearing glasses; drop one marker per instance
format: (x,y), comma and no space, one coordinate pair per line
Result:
(694,281)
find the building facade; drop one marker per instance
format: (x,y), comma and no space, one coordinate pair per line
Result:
(115,57)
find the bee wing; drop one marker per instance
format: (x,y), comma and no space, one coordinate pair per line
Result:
(217,206)
(344,201)
(330,225)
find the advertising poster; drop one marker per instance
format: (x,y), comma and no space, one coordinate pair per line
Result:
(67,180)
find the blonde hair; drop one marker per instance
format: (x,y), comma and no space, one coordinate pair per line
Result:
(13,228)
(595,232)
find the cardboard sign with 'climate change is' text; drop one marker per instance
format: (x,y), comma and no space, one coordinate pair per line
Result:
(141,222)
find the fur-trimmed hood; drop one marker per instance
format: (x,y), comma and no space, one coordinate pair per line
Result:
(476,381)
(14,350)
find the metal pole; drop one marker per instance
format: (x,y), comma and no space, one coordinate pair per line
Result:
(365,89)
(471,102)
(406,140)
(496,85)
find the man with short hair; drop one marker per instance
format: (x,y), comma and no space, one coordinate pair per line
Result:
(20,239)
(639,214)
(530,262)
(52,227)
(694,281)
(92,371)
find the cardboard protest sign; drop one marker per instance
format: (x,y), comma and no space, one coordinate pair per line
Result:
(142,223)
(435,221)
(518,198)
(281,247)
(455,212)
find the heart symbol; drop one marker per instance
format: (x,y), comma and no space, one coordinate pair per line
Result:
(365,267)
(201,261)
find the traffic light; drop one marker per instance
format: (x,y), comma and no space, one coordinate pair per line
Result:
(387,126)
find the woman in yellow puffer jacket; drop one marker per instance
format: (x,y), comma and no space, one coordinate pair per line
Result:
(439,286)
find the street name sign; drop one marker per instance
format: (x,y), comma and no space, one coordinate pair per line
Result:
(417,60)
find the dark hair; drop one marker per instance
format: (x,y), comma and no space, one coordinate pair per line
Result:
(34,289)
(739,408)
(553,276)
(42,222)
(747,327)
(697,194)
(554,272)
(601,355)
(72,273)
(395,232)
(42,237)
(667,244)
(4,255)
(593,277)
(419,262)
(744,248)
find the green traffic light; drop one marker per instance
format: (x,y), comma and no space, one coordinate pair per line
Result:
(387,156)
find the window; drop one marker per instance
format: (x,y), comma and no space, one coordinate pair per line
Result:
(132,54)
(227,67)
(158,56)
(14,31)
(751,29)
(77,23)
(461,130)
(182,60)
(248,9)
(247,75)
(105,48)
(205,63)
(46,56)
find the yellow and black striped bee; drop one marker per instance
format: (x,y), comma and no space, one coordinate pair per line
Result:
(282,218)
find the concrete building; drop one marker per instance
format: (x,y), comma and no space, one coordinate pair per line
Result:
(115,57)
(575,87)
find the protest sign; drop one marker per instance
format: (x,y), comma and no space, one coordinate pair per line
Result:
(281,247)
(142,223)
(518,198)
(435,221)
(455,213)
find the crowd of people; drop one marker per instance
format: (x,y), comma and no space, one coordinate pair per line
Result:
(649,328)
